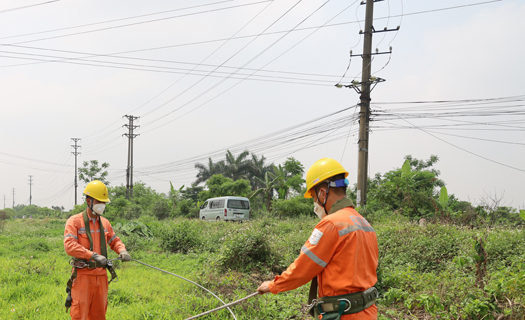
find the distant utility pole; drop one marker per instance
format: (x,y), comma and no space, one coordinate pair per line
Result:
(30,184)
(13,198)
(4,201)
(366,85)
(75,153)
(129,169)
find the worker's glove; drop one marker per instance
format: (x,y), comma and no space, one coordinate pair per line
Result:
(100,260)
(124,255)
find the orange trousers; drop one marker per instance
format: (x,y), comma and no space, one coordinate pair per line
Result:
(90,297)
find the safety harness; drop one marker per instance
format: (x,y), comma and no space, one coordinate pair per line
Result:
(328,308)
(90,264)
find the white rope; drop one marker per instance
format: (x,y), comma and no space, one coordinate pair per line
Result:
(224,306)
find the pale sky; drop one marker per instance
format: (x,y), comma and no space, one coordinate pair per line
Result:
(207,76)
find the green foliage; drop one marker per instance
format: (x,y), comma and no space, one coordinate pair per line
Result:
(426,249)
(34,268)
(187,208)
(247,249)
(134,211)
(293,207)
(3,219)
(133,228)
(182,237)
(161,209)
(91,171)
(410,190)
(219,186)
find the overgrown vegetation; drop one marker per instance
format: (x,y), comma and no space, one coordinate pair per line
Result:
(440,257)
(425,271)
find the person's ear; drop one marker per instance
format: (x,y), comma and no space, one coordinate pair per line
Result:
(322,195)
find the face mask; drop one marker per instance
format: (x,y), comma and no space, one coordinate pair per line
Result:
(319,210)
(99,208)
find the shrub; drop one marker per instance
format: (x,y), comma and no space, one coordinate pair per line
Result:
(161,209)
(429,248)
(182,237)
(247,249)
(134,211)
(187,208)
(3,218)
(293,207)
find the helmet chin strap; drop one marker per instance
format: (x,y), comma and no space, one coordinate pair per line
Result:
(91,207)
(325,199)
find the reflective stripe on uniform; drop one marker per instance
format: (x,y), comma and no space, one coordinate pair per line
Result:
(112,238)
(312,256)
(83,231)
(355,228)
(70,236)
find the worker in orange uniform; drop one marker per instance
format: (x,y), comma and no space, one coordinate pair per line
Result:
(85,238)
(341,255)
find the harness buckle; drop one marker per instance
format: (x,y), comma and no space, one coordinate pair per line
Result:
(349,303)
(79,264)
(313,304)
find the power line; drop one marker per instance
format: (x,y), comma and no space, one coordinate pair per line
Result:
(251,60)
(28,6)
(226,39)
(109,21)
(462,149)
(144,22)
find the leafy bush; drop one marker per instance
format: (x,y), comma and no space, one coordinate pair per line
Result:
(293,207)
(161,209)
(134,211)
(247,249)
(428,248)
(187,208)
(181,237)
(503,245)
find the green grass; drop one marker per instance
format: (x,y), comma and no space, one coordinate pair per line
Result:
(424,272)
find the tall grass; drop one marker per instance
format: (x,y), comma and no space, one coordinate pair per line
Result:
(425,272)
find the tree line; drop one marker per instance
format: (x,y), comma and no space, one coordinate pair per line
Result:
(413,190)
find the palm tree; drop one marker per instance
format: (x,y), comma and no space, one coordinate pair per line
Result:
(258,169)
(236,167)
(268,185)
(206,172)
(282,186)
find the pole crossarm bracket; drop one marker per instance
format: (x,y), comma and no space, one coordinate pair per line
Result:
(364,2)
(385,29)
(356,85)
(372,54)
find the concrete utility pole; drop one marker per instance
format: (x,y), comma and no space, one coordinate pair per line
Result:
(75,153)
(129,169)
(30,184)
(13,198)
(4,201)
(367,84)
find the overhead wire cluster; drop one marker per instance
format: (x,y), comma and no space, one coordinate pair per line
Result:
(274,145)
(476,117)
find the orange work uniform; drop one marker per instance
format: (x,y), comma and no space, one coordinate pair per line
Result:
(342,252)
(90,288)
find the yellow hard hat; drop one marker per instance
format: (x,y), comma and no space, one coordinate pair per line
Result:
(321,170)
(97,190)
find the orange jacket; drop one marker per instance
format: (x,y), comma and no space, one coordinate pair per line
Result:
(342,252)
(76,241)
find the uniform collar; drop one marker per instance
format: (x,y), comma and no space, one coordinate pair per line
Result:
(341,204)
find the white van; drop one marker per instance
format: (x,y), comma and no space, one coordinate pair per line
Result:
(226,208)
